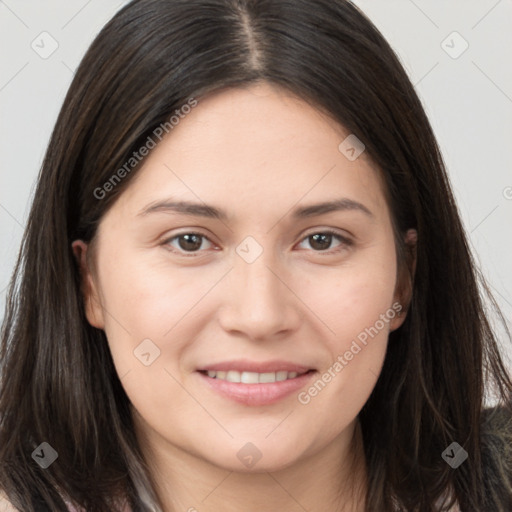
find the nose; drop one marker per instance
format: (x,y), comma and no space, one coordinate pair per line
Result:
(259,300)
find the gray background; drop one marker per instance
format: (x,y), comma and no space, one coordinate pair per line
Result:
(467,96)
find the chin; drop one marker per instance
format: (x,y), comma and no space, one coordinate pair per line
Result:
(258,456)
(260,467)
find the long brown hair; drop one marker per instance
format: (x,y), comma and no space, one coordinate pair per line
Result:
(59,384)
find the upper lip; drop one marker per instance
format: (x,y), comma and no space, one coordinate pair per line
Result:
(244,365)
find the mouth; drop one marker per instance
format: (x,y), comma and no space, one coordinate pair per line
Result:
(246,377)
(255,384)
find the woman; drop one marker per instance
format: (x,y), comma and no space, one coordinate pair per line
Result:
(180,335)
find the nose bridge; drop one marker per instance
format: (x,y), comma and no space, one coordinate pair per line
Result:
(258,303)
(253,267)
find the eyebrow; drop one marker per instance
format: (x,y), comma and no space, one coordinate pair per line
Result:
(210,211)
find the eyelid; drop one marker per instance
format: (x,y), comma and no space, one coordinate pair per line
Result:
(331,231)
(192,231)
(346,241)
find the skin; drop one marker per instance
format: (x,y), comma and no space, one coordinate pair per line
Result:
(258,153)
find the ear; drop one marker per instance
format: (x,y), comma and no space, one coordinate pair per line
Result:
(405,281)
(93,309)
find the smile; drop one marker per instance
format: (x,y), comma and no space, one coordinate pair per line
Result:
(252,377)
(253,383)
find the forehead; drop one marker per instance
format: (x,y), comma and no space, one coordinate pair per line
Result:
(253,149)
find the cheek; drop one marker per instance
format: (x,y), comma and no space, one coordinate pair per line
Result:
(146,300)
(353,297)
(148,326)
(358,310)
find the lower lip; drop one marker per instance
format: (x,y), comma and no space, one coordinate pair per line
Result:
(257,394)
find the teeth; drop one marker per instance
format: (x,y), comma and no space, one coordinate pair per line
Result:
(252,377)
(233,376)
(283,375)
(267,377)
(249,377)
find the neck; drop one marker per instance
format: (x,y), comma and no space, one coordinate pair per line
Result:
(334,478)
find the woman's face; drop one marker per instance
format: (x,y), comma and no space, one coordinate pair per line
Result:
(261,290)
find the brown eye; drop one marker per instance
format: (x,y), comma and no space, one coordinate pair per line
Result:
(187,242)
(321,241)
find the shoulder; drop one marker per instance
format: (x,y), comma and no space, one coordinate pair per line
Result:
(5,504)
(496,437)
(496,452)
(496,445)
(498,420)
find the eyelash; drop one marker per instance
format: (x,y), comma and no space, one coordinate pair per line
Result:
(345,242)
